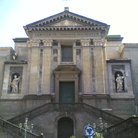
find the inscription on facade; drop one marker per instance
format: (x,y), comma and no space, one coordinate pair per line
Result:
(66,34)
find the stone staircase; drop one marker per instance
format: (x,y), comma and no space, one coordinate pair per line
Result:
(11,126)
(11,130)
(65,107)
(124,129)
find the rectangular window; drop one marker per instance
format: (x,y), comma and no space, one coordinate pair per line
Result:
(66,53)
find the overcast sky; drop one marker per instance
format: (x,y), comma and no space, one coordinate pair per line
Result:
(121,15)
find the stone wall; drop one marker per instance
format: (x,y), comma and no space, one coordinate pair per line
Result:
(131,52)
(11,108)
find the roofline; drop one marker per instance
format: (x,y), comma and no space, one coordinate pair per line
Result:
(21,40)
(114,38)
(66,11)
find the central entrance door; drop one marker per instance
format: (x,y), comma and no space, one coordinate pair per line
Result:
(65,127)
(66,92)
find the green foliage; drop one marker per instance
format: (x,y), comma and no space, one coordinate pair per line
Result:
(134,116)
(98,135)
(72,137)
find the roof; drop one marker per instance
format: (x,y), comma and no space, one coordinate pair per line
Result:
(66,20)
(114,38)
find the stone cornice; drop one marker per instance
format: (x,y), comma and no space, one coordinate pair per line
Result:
(67,28)
(20,40)
(50,23)
(117,61)
(114,38)
(16,62)
(130,45)
(67,15)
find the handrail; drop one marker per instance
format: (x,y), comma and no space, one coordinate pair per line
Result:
(105,115)
(65,107)
(128,123)
(15,131)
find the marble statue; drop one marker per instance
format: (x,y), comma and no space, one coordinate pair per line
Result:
(119,81)
(14,84)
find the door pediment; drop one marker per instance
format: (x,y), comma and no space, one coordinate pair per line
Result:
(67,68)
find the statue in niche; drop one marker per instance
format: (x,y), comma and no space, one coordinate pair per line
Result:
(14,84)
(119,82)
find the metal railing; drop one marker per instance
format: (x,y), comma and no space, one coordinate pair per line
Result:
(126,124)
(65,107)
(14,130)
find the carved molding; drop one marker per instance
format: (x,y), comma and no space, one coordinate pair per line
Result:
(99,42)
(36,42)
(47,42)
(66,16)
(32,43)
(85,42)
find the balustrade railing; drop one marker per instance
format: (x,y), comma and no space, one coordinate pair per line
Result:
(100,113)
(120,123)
(65,107)
(15,131)
(129,123)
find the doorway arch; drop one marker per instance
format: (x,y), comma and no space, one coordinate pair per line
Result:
(65,127)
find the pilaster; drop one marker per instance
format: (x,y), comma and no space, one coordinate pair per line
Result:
(86,69)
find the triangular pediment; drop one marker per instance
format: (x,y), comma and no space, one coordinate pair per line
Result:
(67,22)
(66,19)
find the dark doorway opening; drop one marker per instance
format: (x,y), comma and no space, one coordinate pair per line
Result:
(65,127)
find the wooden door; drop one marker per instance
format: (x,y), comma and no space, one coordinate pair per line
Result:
(66,91)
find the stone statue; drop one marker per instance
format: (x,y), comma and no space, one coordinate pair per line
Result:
(119,81)
(14,84)
(14,56)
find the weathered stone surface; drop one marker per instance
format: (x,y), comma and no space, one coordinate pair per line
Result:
(98,58)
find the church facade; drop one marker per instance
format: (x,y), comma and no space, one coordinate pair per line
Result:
(71,72)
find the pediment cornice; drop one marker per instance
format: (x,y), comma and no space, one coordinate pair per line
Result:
(66,21)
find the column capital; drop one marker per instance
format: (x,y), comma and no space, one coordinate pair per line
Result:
(99,42)
(33,42)
(85,42)
(48,42)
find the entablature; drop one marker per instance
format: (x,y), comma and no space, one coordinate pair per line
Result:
(66,21)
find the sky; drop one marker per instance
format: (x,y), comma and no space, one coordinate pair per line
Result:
(121,15)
